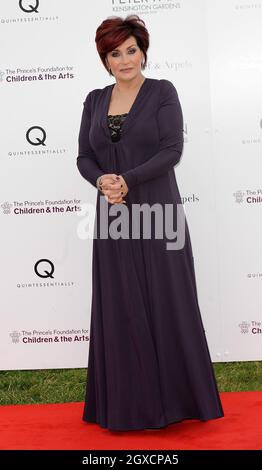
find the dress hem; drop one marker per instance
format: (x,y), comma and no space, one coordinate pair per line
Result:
(144,428)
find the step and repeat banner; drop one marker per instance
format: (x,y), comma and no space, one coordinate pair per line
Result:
(211,51)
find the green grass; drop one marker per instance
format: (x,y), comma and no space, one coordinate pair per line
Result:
(68,385)
(42,386)
(239,376)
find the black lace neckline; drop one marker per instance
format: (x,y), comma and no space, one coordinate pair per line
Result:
(115,122)
(116,115)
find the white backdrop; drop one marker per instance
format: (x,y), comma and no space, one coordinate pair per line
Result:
(211,51)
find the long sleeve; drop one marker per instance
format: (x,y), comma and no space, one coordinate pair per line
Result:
(170,122)
(86,160)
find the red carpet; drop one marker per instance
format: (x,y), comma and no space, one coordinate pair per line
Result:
(60,426)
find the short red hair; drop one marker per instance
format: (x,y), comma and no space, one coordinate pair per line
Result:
(115,30)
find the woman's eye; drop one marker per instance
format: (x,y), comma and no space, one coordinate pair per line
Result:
(115,54)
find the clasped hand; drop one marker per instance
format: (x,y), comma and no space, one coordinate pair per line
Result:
(113,187)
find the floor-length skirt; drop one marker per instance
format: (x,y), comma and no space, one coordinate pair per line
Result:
(149,364)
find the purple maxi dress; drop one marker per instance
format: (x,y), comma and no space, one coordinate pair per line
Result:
(149,364)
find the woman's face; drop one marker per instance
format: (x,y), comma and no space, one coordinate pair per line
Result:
(126,56)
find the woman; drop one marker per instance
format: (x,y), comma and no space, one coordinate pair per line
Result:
(149,363)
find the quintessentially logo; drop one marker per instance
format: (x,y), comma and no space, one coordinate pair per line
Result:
(30,8)
(45,273)
(38,140)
